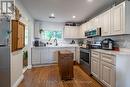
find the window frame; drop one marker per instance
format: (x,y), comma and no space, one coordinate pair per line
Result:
(43,37)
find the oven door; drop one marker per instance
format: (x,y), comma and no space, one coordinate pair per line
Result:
(85,60)
(85,55)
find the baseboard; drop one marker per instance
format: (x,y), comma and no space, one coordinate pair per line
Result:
(29,67)
(42,65)
(18,81)
(24,70)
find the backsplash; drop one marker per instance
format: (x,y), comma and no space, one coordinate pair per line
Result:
(123,40)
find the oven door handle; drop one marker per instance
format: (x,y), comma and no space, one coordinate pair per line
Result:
(85,51)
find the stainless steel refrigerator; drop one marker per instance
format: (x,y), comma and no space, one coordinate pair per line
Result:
(5,74)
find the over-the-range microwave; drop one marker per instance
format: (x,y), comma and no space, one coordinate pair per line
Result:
(93,32)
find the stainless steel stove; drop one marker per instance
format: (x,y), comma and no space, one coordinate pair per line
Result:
(85,57)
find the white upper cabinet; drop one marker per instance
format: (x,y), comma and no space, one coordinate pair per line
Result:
(37,27)
(105,23)
(66,32)
(83,28)
(90,25)
(96,22)
(120,19)
(117,20)
(71,32)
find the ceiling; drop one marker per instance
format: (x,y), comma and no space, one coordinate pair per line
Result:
(64,9)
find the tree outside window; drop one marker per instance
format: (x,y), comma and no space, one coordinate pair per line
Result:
(48,35)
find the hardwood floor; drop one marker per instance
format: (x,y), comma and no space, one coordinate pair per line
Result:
(48,76)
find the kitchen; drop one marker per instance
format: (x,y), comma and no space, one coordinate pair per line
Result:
(100,43)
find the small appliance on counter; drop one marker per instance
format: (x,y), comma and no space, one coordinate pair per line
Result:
(97,45)
(72,42)
(107,44)
(36,42)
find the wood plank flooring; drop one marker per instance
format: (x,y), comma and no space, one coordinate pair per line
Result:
(48,76)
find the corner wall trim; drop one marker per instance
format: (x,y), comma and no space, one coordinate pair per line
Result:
(18,81)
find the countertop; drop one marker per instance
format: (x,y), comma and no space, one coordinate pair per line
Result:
(123,51)
(59,46)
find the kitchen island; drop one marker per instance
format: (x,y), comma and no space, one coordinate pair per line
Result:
(49,54)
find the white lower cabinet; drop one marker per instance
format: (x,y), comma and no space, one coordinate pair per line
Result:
(77,58)
(53,55)
(50,55)
(103,68)
(107,74)
(95,67)
(36,57)
(46,55)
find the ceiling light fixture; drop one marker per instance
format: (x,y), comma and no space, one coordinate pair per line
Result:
(90,0)
(52,15)
(74,17)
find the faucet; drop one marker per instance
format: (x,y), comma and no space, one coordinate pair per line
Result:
(56,43)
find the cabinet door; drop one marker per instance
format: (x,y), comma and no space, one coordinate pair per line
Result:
(90,25)
(95,67)
(117,20)
(52,55)
(105,24)
(21,35)
(107,74)
(82,30)
(75,32)
(66,32)
(71,32)
(55,54)
(36,58)
(77,54)
(14,35)
(96,22)
(44,56)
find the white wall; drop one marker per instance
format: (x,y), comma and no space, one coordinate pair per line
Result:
(16,57)
(52,26)
(58,26)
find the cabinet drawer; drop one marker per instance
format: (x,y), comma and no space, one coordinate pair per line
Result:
(95,54)
(108,58)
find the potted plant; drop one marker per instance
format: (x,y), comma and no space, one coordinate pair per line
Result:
(80,42)
(41,30)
